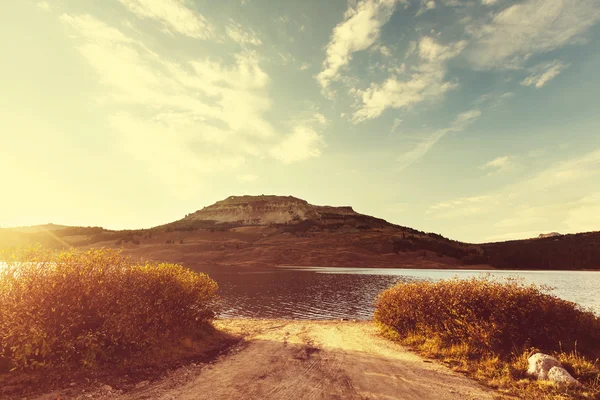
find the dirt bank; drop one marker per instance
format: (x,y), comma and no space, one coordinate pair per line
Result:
(307,360)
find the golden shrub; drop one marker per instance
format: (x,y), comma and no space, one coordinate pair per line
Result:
(495,317)
(93,307)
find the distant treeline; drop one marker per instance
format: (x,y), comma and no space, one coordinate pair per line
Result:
(567,252)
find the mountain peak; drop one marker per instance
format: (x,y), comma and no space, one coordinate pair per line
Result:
(547,235)
(265,210)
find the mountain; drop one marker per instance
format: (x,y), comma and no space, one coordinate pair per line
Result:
(284,230)
(547,235)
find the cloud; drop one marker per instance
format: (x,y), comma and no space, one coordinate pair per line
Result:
(174,16)
(304,66)
(358,31)
(247,178)
(565,172)
(461,207)
(426,5)
(533,26)
(585,215)
(545,201)
(43,5)
(238,34)
(396,124)
(426,81)
(543,73)
(499,164)
(320,118)
(301,144)
(460,123)
(197,117)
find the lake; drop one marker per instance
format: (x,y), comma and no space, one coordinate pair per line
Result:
(331,293)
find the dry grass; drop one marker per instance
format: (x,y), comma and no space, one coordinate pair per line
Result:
(488,329)
(94,308)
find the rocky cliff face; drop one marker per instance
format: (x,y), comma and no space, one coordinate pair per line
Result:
(266,210)
(547,235)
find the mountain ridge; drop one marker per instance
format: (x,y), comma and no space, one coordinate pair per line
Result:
(270,230)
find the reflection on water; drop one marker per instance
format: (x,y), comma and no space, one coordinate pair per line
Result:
(326,293)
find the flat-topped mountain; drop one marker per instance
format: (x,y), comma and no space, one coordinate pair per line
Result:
(264,210)
(547,235)
(284,230)
(238,211)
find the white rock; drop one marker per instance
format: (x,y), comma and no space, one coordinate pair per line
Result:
(540,364)
(561,375)
(548,368)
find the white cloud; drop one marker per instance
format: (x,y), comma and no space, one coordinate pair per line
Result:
(461,207)
(174,15)
(44,5)
(426,81)
(396,124)
(238,34)
(543,73)
(489,2)
(385,51)
(530,27)
(286,58)
(410,49)
(359,30)
(304,66)
(585,215)
(320,118)
(301,144)
(573,170)
(419,150)
(247,178)
(426,5)
(499,164)
(198,117)
(460,123)
(545,201)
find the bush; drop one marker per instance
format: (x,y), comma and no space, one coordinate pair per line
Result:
(488,329)
(495,317)
(95,307)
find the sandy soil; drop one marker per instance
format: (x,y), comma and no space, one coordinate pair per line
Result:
(308,360)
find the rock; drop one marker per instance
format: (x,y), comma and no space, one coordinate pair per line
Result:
(106,388)
(72,384)
(561,375)
(548,368)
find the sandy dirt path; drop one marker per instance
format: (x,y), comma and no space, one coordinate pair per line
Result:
(313,360)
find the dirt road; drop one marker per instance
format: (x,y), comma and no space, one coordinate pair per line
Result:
(312,360)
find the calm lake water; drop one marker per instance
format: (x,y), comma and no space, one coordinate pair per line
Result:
(328,293)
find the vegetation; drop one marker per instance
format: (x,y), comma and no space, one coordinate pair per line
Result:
(566,252)
(97,307)
(489,328)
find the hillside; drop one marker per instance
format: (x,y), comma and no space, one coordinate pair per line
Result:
(284,230)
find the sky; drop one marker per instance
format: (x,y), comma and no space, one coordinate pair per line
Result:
(475,119)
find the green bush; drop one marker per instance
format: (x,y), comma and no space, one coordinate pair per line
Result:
(499,318)
(94,307)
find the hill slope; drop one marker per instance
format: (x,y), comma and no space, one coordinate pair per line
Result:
(284,230)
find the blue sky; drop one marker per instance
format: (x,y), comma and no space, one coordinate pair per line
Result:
(476,119)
